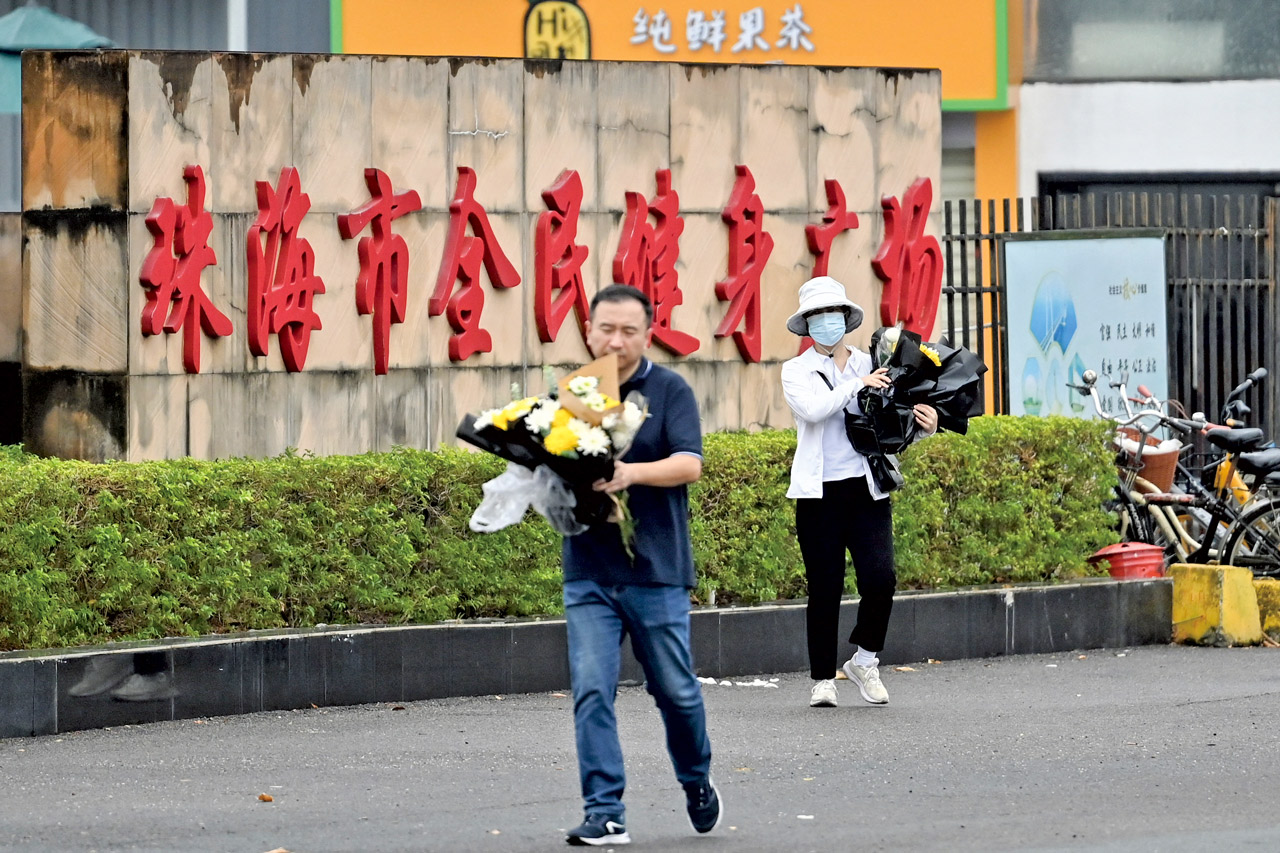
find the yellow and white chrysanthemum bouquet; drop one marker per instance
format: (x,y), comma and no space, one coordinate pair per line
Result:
(560,430)
(576,433)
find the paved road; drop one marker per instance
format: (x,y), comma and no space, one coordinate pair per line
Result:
(1150,749)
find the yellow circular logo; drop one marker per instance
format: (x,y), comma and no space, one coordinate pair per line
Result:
(556,29)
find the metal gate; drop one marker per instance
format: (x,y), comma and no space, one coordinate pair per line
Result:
(1219,259)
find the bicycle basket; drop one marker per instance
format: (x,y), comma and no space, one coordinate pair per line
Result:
(1158,468)
(1157,465)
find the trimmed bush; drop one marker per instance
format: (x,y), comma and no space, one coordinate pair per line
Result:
(117,551)
(1015,500)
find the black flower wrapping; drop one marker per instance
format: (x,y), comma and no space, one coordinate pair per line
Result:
(887,423)
(516,444)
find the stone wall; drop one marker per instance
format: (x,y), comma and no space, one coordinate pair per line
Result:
(11,327)
(107,133)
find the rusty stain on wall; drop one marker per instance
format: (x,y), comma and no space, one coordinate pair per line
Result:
(239,69)
(303,65)
(73,143)
(177,71)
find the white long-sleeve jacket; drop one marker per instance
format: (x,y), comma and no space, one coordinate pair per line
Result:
(813,403)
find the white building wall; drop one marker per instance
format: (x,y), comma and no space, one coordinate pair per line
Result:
(1126,128)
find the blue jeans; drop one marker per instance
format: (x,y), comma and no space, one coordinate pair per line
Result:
(657,619)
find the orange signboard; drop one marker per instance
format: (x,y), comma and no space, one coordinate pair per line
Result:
(966,39)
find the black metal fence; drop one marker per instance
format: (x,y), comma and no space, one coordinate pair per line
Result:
(1219,260)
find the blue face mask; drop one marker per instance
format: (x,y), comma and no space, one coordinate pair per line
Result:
(827,329)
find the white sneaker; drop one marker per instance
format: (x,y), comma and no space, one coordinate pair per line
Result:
(823,694)
(103,673)
(868,680)
(145,688)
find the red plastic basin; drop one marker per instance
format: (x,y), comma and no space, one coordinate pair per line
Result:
(1129,560)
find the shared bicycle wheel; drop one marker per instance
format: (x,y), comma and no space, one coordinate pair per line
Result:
(1254,542)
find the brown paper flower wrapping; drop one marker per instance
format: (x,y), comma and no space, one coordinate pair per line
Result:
(604,369)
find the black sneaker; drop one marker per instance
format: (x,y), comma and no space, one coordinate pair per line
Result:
(597,831)
(704,804)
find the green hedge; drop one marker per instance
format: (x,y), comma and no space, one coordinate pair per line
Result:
(1015,500)
(118,551)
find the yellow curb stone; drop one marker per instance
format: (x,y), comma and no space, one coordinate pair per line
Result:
(1214,606)
(1268,592)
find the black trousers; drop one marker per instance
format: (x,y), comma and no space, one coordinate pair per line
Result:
(845,518)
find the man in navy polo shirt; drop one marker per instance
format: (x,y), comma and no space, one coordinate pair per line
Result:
(607,595)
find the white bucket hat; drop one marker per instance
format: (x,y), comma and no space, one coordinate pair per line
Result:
(823,292)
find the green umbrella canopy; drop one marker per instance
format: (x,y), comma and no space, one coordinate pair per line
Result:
(34,26)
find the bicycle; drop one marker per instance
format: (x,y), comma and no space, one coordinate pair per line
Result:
(1191,533)
(1138,522)
(1226,478)
(1194,524)
(1254,542)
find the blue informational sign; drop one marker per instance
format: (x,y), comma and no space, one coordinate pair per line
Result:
(1075,302)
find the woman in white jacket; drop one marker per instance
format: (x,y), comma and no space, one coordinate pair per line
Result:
(838,506)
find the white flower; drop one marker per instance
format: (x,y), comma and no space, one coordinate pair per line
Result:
(593,442)
(633,417)
(595,401)
(581,386)
(579,427)
(610,421)
(539,420)
(485,419)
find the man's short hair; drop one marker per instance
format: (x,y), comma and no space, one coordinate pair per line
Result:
(621,293)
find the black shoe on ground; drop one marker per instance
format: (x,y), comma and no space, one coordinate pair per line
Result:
(704,804)
(598,831)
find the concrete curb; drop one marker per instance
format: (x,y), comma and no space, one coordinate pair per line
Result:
(1267,591)
(44,692)
(1215,605)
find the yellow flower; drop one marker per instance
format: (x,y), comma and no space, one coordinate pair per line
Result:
(561,419)
(513,411)
(931,354)
(519,408)
(560,440)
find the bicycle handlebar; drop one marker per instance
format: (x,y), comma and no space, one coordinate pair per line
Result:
(1186,426)
(1249,381)
(1232,410)
(1183,425)
(1091,390)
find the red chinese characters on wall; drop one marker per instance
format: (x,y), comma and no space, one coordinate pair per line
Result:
(282,282)
(558,259)
(646,259)
(835,222)
(282,279)
(909,263)
(172,268)
(383,284)
(463,256)
(749,249)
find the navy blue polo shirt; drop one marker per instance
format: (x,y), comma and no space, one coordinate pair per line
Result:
(664,554)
